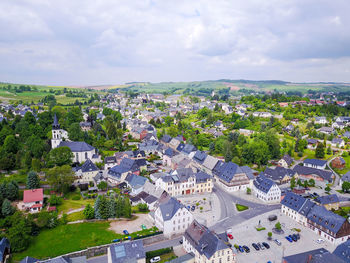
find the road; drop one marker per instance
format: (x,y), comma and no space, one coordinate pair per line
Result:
(230,216)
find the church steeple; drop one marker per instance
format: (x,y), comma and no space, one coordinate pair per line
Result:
(55,125)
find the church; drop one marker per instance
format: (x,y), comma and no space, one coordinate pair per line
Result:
(81,150)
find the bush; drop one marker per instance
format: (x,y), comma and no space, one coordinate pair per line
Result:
(55,200)
(260,228)
(278,226)
(159,252)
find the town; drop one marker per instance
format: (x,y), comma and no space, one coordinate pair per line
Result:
(122,175)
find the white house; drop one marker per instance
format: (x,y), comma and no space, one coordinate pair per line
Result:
(86,172)
(172,217)
(266,190)
(33,200)
(321,120)
(315,163)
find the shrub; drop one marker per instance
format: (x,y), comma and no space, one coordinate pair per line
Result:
(260,228)
(55,200)
(278,226)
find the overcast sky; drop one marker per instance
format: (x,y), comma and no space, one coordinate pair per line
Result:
(88,42)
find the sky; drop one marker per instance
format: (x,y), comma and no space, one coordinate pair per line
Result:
(96,42)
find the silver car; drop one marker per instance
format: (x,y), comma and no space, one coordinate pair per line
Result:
(277,242)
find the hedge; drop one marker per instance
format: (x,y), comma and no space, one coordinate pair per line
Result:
(148,235)
(159,252)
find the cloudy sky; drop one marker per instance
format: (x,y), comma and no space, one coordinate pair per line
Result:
(89,42)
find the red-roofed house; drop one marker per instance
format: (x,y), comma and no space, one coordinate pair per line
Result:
(33,200)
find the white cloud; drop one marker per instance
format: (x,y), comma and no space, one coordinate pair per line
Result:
(108,41)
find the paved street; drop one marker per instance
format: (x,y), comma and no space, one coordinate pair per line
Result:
(230,216)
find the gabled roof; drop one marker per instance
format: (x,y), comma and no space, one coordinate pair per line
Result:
(127,252)
(136,181)
(33,195)
(199,156)
(329,220)
(343,251)
(189,148)
(327,199)
(288,159)
(166,138)
(278,173)
(346,177)
(320,255)
(263,184)
(210,162)
(293,201)
(180,147)
(226,170)
(77,146)
(202,177)
(206,242)
(88,166)
(316,162)
(169,208)
(303,170)
(170,152)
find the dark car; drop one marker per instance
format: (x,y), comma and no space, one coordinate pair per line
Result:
(289,239)
(255,246)
(181,241)
(266,245)
(240,249)
(261,246)
(298,236)
(125,232)
(293,237)
(316,194)
(246,249)
(193,208)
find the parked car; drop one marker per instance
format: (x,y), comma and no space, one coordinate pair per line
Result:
(246,249)
(277,242)
(298,236)
(293,238)
(261,246)
(289,239)
(316,194)
(193,208)
(181,241)
(255,246)
(229,236)
(155,259)
(240,248)
(115,240)
(266,245)
(125,232)
(143,227)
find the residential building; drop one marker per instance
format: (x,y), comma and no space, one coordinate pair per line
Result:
(86,172)
(312,144)
(315,163)
(342,251)
(266,189)
(85,126)
(127,252)
(326,130)
(321,120)
(344,178)
(206,245)
(33,200)
(328,225)
(313,173)
(136,183)
(328,201)
(280,175)
(338,142)
(171,216)
(285,161)
(231,177)
(338,163)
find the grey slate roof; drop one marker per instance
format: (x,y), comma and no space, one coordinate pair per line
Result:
(343,251)
(288,159)
(189,148)
(293,201)
(202,177)
(77,146)
(135,181)
(316,162)
(127,252)
(226,170)
(169,208)
(278,173)
(206,242)
(346,177)
(166,138)
(170,152)
(29,260)
(248,171)
(327,199)
(88,166)
(320,255)
(199,156)
(303,170)
(262,183)
(329,220)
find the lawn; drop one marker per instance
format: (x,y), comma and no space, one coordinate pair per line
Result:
(74,237)
(75,216)
(241,208)
(68,238)
(69,204)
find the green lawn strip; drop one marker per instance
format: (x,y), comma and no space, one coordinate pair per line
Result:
(73,237)
(75,216)
(68,238)
(68,205)
(167,257)
(241,208)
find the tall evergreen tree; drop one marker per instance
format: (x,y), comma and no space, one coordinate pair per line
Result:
(7,209)
(320,151)
(33,180)
(97,207)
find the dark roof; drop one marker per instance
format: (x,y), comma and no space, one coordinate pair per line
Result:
(343,251)
(29,260)
(4,243)
(127,252)
(206,242)
(303,170)
(288,159)
(312,141)
(320,255)
(262,183)
(316,162)
(327,199)
(189,148)
(226,170)
(88,166)
(180,147)
(199,156)
(278,173)
(293,201)
(329,220)
(169,208)
(166,138)
(202,177)
(77,146)
(346,177)
(110,159)
(170,152)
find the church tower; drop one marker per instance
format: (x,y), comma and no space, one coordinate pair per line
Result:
(58,134)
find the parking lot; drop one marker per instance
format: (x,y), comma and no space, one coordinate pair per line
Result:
(246,234)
